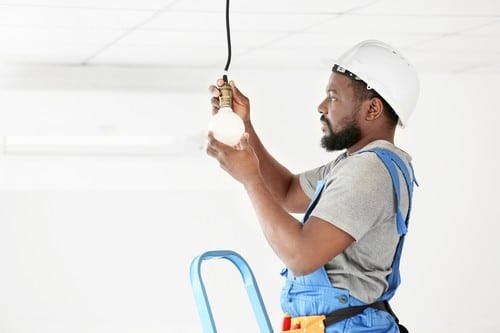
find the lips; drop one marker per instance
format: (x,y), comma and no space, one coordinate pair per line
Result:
(324,123)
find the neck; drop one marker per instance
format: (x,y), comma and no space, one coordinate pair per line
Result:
(366,139)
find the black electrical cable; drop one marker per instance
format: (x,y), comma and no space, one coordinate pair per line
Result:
(228,35)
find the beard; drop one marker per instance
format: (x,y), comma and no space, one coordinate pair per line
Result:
(343,139)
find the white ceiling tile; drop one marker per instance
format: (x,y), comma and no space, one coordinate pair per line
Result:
(249,22)
(460,53)
(63,54)
(283,23)
(278,6)
(331,47)
(491,28)
(449,62)
(183,58)
(70,17)
(91,4)
(468,44)
(178,56)
(420,25)
(272,34)
(273,58)
(182,48)
(52,44)
(55,36)
(411,8)
(187,21)
(166,38)
(254,40)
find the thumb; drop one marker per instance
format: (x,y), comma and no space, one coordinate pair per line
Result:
(238,97)
(244,141)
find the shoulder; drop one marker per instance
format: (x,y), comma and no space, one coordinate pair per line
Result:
(365,168)
(374,152)
(385,146)
(361,171)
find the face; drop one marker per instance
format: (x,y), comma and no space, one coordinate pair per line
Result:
(338,115)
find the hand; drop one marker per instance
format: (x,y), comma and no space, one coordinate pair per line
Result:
(240,161)
(241,104)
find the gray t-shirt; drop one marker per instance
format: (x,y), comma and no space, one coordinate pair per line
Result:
(359,199)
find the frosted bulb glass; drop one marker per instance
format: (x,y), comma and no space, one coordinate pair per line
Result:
(227,126)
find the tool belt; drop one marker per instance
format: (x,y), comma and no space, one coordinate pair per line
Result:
(317,324)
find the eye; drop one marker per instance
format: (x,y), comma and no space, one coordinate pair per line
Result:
(331,97)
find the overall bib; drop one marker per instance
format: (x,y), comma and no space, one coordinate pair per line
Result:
(313,294)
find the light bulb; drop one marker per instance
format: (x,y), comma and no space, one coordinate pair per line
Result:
(227,126)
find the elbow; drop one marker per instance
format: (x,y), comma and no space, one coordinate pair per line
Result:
(300,266)
(295,199)
(298,271)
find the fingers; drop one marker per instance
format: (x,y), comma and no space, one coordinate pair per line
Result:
(238,97)
(243,144)
(217,150)
(215,104)
(211,151)
(212,141)
(215,92)
(214,146)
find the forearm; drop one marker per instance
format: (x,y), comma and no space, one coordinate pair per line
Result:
(303,248)
(281,230)
(278,179)
(283,185)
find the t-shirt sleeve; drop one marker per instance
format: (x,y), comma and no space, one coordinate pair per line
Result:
(309,179)
(356,195)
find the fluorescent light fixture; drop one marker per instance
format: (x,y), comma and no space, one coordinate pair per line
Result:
(102,145)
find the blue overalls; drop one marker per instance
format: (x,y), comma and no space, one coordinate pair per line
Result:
(313,294)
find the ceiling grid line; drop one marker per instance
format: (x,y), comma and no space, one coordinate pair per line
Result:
(452,34)
(113,42)
(185,34)
(304,29)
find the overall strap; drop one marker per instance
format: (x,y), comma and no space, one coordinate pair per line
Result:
(319,188)
(315,198)
(391,162)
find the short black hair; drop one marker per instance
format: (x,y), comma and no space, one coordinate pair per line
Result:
(363,92)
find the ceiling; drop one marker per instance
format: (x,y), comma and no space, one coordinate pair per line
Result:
(451,36)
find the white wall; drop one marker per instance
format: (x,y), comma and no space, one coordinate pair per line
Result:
(103,243)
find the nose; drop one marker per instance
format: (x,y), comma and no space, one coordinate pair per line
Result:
(323,107)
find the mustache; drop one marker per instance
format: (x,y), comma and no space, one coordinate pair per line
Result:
(324,120)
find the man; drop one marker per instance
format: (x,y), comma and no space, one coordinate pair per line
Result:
(343,259)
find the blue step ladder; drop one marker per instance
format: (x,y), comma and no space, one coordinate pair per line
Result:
(249,281)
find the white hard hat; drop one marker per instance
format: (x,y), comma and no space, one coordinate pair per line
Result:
(385,70)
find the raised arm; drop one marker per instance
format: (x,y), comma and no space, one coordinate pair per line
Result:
(274,191)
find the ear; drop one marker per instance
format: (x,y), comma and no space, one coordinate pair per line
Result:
(375,109)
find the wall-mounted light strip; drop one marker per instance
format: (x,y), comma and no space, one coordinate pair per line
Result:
(102,145)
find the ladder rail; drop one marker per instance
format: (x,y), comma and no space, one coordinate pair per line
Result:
(249,281)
